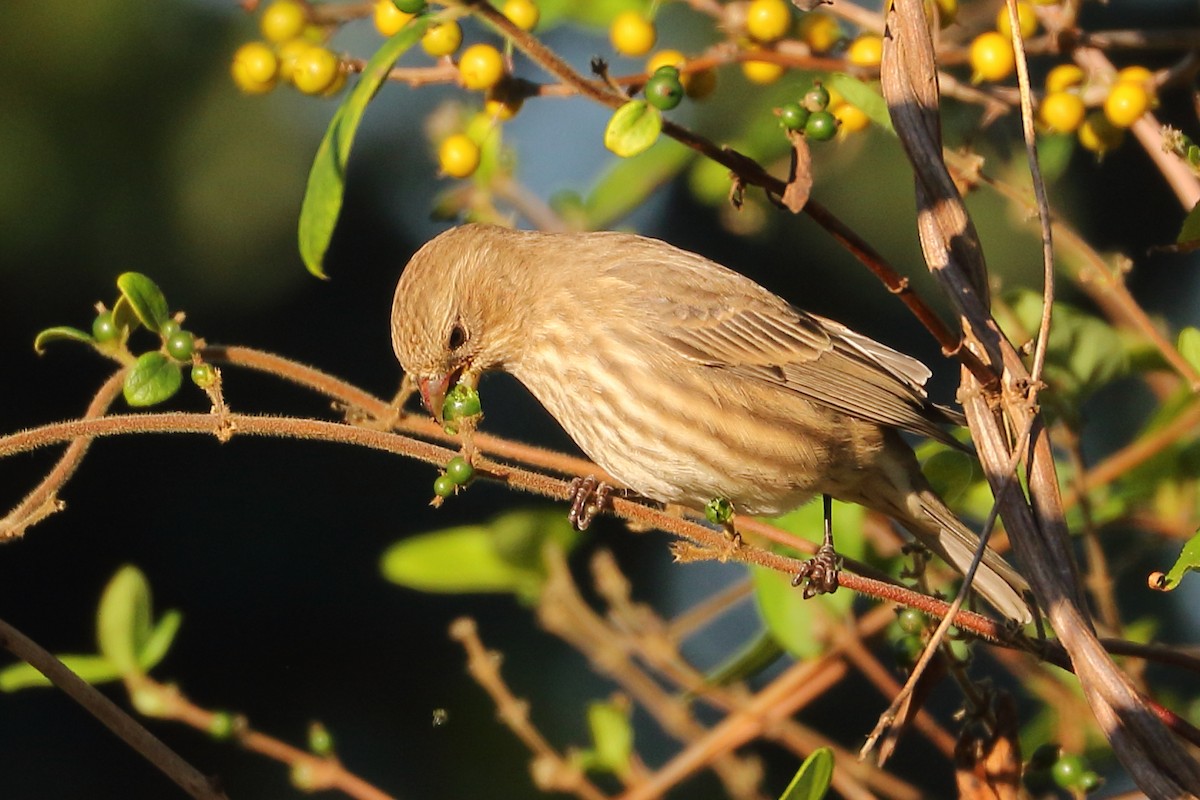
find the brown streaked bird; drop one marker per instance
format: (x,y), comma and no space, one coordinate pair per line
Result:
(684,380)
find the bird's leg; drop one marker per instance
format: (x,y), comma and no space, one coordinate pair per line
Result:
(821,571)
(588,498)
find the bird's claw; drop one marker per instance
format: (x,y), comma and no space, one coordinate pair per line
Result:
(820,572)
(589,496)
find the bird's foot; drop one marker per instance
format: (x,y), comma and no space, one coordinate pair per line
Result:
(589,496)
(820,572)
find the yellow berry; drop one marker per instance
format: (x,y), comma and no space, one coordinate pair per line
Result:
(947,12)
(389,19)
(481,66)
(665,58)
(315,70)
(768,20)
(1025,14)
(254,68)
(1135,74)
(458,156)
(992,57)
(442,39)
(1099,135)
(283,20)
(865,51)
(820,31)
(1062,112)
(762,72)
(851,118)
(1126,103)
(1063,77)
(632,34)
(502,102)
(522,13)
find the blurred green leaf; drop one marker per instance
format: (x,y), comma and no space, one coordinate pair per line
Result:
(814,777)
(62,333)
(863,95)
(92,669)
(153,379)
(124,316)
(145,299)
(1054,154)
(1189,232)
(612,736)
(754,656)
(633,128)
(1189,560)
(123,620)
(457,560)
(951,473)
(520,537)
(158,642)
(1189,346)
(629,182)
(800,625)
(327,178)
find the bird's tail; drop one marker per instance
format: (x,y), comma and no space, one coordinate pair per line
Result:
(915,505)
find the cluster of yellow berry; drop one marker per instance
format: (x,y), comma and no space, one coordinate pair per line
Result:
(291,52)
(1123,101)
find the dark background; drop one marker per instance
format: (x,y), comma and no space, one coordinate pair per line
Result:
(124,146)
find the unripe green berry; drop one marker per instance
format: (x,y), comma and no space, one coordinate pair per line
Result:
(181,344)
(911,621)
(816,98)
(169,329)
(461,401)
(821,126)
(664,90)
(1067,771)
(793,116)
(444,486)
(104,329)
(718,511)
(459,470)
(203,375)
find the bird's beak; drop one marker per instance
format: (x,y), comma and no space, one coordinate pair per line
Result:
(433,394)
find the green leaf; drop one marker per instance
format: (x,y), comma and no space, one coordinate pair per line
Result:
(520,537)
(863,95)
(1054,154)
(628,183)
(145,299)
(153,379)
(92,669)
(800,625)
(327,178)
(124,316)
(612,735)
(457,560)
(814,777)
(756,655)
(951,473)
(123,620)
(1189,233)
(1189,560)
(60,334)
(633,128)
(1189,346)
(158,642)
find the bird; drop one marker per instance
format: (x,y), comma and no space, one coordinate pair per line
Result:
(685,380)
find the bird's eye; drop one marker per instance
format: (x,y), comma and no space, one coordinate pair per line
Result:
(458,336)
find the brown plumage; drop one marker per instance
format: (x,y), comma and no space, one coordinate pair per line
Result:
(683,379)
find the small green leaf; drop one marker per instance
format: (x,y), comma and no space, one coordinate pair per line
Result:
(814,777)
(1189,233)
(145,299)
(124,316)
(752,658)
(633,128)
(864,96)
(520,537)
(153,379)
(158,641)
(612,735)
(628,183)
(1189,560)
(1054,154)
(327,178)
(123,620)
(457,560)
(60,334)
(951,473)
(1189,346)
(91,668)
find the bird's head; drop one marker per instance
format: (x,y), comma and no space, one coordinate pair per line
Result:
(461,308)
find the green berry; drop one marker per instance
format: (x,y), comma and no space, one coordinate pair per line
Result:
(459,470)
(462,401)
(718,511)
(821,126)
(793,116)
(169,329)
(444,486)
(911,621)
(180,345)
(664,91)
(104,329)
(203,375)
(1068,771)
(1089,782)
(410,6)
(816,98)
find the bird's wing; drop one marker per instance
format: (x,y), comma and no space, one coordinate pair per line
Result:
(723,320)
